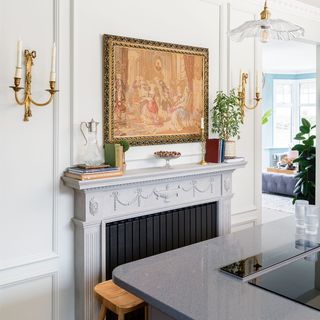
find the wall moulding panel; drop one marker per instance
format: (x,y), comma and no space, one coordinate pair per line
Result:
(40,290)
(32,198)
(245,193)
(42,242)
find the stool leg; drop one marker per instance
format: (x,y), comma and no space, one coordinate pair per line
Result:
(121,316)
(146,312)
(103,312)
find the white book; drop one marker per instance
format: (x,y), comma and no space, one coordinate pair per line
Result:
(234,160)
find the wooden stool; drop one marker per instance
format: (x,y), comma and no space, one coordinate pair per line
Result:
(118,300)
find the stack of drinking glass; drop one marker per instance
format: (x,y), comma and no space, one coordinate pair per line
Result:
(307,218)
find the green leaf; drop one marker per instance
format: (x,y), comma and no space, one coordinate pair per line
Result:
(298,147)
(299,136)
(300,181)
(300,175)
(309,142)
(304,129)
(266,117)
(306,123)
(297,190)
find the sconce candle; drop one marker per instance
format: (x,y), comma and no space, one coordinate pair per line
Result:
(257,81)
(202,123)
(53,63)
(19,60)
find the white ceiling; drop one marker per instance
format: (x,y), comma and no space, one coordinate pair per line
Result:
(289,57)
(315,3)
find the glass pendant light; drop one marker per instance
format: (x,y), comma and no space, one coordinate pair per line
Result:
(267,29)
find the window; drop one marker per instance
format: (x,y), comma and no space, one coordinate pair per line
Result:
(308,101)
(282,117)
(293,100)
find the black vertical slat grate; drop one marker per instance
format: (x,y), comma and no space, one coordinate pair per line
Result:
(133,239)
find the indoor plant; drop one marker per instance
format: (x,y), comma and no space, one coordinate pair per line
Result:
(125,145)
(305,187)
(226,117)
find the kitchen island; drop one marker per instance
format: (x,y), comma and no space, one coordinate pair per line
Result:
(187,283)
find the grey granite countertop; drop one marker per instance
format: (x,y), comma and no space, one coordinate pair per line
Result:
(186,283)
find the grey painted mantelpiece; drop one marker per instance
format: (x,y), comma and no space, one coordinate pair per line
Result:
(138,192)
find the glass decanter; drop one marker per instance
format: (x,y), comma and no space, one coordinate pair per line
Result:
(92,155)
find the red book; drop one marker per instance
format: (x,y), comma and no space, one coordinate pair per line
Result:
(213,150)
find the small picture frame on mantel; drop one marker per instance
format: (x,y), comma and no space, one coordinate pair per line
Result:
(154,92)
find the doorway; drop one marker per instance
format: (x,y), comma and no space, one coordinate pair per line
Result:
(289,95)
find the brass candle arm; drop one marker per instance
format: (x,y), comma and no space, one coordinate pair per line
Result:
(242,95)
(27,100)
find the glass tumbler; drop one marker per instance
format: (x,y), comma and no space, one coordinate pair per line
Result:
(312,220)
(300,214)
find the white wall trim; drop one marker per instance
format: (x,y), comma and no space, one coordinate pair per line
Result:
(73,100)
(56,136)
(251,208)
(24,261)
(55,285)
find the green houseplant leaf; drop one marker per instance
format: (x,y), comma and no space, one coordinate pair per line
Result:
(305,185)
(226,115)
(266,117)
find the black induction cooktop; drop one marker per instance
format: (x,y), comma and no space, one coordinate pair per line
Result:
(298,281)
(254,266)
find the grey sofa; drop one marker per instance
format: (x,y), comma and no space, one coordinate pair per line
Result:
(277,183)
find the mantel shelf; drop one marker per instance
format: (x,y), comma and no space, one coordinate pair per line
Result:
(152,174)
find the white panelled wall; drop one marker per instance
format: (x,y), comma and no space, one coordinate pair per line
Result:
(36,232)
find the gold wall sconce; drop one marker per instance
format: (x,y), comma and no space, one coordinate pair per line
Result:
(242,92)
(27,100)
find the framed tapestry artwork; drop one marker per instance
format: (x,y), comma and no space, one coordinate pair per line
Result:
(154,92)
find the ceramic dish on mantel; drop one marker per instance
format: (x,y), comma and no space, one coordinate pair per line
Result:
(167,155)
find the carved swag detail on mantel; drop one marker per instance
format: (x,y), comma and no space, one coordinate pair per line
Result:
(166,194)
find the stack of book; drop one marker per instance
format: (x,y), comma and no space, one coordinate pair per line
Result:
(215,150)
(113,154)
(83,172)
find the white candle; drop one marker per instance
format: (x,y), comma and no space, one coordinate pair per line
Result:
(257,82)
(53,58)
(19,60)
(53,63)
(240,81)
(18,73)
(19,54)
(202,123)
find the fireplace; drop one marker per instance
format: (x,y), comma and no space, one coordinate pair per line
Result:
(132,239)
(142,213)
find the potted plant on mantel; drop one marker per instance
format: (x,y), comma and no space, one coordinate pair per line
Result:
(226,118)
(125,145)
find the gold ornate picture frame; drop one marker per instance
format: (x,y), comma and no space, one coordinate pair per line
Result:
(154,92)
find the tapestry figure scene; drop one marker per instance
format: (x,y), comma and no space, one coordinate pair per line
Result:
(157,92)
